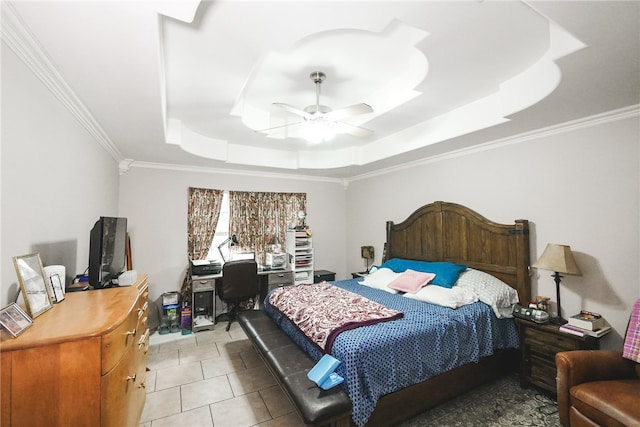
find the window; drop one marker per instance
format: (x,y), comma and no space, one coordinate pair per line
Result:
(256,218)
(222,232)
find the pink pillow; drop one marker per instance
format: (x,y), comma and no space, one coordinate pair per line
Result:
(411,281)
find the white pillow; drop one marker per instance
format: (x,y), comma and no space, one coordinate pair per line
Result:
(380,278)
(447,297)
(490,290)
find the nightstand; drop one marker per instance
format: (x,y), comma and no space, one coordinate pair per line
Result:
(323,275)
(538,347)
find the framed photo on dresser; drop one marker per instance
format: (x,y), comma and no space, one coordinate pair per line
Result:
(14,320)
(37,293)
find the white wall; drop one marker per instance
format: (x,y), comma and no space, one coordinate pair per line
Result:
(155,203)
(579,188)
(56,180)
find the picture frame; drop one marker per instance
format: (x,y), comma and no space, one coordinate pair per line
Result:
(36,290)
(14,320)
(56,286)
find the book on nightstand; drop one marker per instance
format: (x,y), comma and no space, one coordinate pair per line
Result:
(574,330)
(587,320)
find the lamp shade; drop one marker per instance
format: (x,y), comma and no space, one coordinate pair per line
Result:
(366,252)
(557,258)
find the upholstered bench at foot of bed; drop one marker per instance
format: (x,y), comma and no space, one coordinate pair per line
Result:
(289,365)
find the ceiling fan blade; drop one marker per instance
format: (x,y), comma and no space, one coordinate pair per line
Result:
(355,130)
(293,110)
(279,127)
(353,110)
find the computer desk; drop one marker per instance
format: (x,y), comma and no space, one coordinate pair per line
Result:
(266,277)
(204,293)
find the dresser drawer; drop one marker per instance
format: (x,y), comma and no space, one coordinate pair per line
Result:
(123,389)
(203,284)
(117,342)
(549,343)
(543,372)
(143,317)
(284,278)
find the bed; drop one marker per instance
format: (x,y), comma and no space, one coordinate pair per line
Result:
(442,232)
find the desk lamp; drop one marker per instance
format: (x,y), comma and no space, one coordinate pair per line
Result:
(233,240)
(559,259)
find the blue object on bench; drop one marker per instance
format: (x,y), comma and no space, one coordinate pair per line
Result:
(323,373)
(331,381)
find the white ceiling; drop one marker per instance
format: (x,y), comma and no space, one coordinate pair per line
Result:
(190,83)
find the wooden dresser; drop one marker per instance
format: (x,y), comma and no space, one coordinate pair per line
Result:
(82,363)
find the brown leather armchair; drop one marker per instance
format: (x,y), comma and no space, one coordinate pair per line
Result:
(601,387)
(597,388)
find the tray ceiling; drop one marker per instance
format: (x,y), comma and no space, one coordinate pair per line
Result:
(192,84)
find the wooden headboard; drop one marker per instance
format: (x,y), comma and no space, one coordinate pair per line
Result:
(442,231)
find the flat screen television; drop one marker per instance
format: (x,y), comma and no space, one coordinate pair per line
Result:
(107,251)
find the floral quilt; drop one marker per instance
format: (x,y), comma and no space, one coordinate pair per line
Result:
(321,311)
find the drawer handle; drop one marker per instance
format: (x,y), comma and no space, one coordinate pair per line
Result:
(131,332)
(143,340)
(132,378)
(143,308)
(142,385)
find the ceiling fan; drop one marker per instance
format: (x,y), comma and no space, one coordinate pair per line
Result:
(320,122)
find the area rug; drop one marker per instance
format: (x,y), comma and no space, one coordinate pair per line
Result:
(499,403)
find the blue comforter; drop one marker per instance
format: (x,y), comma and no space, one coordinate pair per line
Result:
(427,341)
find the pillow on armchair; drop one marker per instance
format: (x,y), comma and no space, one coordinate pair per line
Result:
(631,348)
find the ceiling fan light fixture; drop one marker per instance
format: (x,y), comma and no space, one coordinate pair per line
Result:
(321,123)
(319,130)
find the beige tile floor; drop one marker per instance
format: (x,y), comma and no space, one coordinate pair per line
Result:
(212,378)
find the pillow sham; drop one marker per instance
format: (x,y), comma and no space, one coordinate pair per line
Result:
(446,273)
(411,281)
(447,297)
(490,290)
(380,278)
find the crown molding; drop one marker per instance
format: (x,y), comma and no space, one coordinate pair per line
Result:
(223,171)
(585,122)
(16,35)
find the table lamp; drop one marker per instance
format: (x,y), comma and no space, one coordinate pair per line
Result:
(367,253)
(559,259)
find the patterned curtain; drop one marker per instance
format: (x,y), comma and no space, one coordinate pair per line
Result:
(202,217)
(259,218)
(203,214)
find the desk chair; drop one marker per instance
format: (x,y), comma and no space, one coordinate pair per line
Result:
(239,283)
